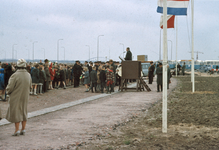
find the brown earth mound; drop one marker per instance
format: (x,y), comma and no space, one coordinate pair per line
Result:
(192,122)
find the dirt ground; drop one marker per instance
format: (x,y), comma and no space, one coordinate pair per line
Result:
(77,126)
(193,121)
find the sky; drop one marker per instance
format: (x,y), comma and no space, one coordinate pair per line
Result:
(132,23)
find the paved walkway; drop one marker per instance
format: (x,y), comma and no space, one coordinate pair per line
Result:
(78,123)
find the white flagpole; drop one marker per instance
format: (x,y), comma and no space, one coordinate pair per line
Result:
(193,68)
(176,42)
(164,117)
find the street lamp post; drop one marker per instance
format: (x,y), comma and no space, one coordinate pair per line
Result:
(58,49)
(98,47)
(64,52)
(122,49)
(16,54)
(33,49)
(89,50)
(171,48)
(13,52)
(44,53)
(28,56)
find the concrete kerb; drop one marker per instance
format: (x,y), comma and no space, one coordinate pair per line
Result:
(63,106)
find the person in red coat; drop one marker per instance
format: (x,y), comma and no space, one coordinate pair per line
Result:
(52,75)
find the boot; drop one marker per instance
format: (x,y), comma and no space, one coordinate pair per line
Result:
(64,86)
(58,87)
(35,92)
(158,88)
(107,89)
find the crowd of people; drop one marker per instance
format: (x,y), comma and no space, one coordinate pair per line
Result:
(52,75)
(19,81)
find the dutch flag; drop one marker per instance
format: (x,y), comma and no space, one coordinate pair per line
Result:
(174,7)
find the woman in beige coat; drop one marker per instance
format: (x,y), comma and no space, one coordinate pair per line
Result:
(18,89)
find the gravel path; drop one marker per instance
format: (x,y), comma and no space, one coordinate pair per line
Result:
(80,124)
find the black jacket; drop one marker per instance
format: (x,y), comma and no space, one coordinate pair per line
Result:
(151,70)
(77,70)
(8,73)
(42,77)
(128,55)
(102,76)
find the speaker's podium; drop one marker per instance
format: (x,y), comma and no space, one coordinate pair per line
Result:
(132,70)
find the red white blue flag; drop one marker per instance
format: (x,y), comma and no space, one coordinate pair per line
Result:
(174,7)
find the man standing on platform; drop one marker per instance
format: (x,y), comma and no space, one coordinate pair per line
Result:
(151,72)
(128,54)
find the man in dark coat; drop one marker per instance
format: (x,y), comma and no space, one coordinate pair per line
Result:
(48,78)
(128,54)
(77,69)
(151,72)
(183,68)
(103,78)
(159,73)
(93,79)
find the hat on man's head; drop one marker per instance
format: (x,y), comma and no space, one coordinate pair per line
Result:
(21,63)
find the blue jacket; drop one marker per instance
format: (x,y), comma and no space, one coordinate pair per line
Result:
(2,80)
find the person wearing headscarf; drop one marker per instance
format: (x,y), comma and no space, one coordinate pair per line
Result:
(18,89)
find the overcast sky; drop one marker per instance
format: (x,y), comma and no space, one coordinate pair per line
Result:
(135,23)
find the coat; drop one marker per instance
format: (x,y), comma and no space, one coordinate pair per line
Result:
(183,68)
(93,76)
(47,74)
(102,76)
(86,78)
(2,79)
(128,55)
(35,76)
(168,75)
(52,73)
(42,77)
(159,73)
(18,89)
(8,73)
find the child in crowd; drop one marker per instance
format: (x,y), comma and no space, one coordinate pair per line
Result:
(41,81)
(86,78)
(61,77)
(102,78)
(109,78)
(35,79)
(93,79)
